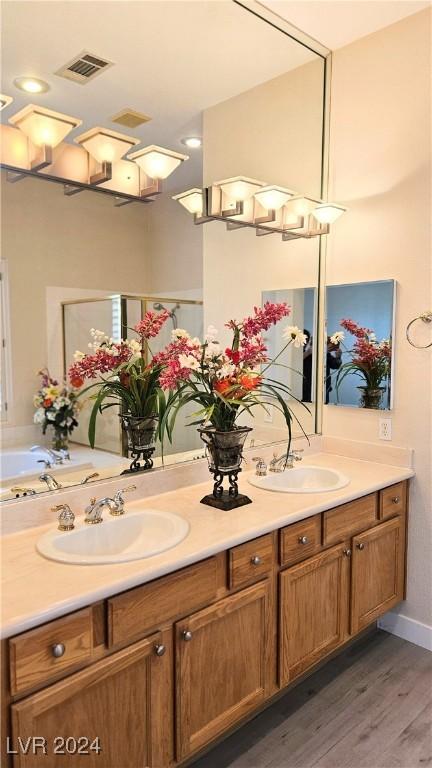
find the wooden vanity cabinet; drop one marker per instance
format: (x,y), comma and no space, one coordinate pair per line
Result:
(115,712)
(313,610)
(378,558)
(159,671)
(222,666)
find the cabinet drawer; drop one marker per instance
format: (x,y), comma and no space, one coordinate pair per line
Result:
(250,561)
(33,658)
(393,501)
(142,609)
(300,540)
(349,519)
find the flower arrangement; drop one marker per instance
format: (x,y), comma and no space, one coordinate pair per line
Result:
(370,360)
(127,374)
(227,383)
(56,406)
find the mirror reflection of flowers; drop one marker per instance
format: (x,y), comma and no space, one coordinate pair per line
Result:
(370,360)
(231,382)
(127,373)
(57,407)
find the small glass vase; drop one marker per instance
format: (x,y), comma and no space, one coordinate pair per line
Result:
(224,452)
(370,397)
(60,440)
(141,439)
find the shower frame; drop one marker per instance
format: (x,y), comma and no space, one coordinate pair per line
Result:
(123,298)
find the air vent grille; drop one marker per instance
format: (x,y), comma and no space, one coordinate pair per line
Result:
(84,67)
(130,118)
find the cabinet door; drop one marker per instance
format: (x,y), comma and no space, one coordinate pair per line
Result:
(122,700)
(313,609)
(377,572)
(222,659)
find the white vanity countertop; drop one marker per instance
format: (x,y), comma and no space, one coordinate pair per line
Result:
(35,590)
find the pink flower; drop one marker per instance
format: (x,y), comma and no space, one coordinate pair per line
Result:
(173,375)
(151,323)
(253,351)
(104,360)
(261,320)
(181,346)
(355,329)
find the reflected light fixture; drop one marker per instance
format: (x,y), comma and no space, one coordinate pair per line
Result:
(106,147)
(299,216)
(5,101)
(192,200)
(156,162)
(193,142)
(45,129)
(327,213)
(31,85)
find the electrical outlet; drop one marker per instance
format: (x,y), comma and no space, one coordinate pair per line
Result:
(268,414)
(385,429)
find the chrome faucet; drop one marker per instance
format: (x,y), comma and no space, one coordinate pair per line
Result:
(261,467)
(51,482)
(285,460)
(66,518)
(93,513)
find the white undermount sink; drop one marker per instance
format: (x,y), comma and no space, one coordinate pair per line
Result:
(132,536)
(306,479)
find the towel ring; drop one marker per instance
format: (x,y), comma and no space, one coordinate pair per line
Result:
(425,317)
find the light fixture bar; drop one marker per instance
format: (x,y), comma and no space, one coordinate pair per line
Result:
(44,157)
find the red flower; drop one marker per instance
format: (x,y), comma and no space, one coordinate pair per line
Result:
(47,403)
(233,355)
(222,385)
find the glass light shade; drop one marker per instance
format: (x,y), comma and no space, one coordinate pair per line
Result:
(239,188)
(5,101)
(327,213)
(192,200)
(43,126)
(106,146)
(273,198)
(157,162)
(299,206)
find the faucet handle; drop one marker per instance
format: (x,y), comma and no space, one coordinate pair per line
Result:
(261,467)
(295,453)
(66,518)
(89,477)
(119,500)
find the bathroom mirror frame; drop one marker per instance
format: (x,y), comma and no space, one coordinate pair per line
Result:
(271,18)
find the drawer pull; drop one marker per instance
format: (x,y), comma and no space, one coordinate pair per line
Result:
(256,560)
(303,540)
(187,635)
(360,546)
(58,650)
(395,500)
(159,649)
(347,552)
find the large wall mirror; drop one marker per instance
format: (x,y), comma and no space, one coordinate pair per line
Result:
(76,262)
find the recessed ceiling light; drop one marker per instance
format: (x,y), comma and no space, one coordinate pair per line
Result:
(31,85)
(193,142)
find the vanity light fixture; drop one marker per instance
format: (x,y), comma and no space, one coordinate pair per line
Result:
(156,162)
(192,200)
(290,214)
(327,213)
(5,101)
(106,147)
(45,129)
(236,191)
(31,85)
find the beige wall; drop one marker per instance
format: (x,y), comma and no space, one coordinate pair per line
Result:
(380,168)
(271,133)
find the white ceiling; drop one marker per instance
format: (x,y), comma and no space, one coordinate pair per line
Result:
(335,23)
(173,58)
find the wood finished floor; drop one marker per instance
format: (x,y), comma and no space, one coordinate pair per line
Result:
(371,707)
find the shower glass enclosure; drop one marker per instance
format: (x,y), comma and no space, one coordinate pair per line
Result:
(116,315)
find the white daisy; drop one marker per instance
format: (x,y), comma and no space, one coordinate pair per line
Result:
(294,334)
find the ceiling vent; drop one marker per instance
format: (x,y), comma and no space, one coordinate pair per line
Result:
(83,68)
(130,118)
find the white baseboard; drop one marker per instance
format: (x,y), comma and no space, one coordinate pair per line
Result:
(408,629)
